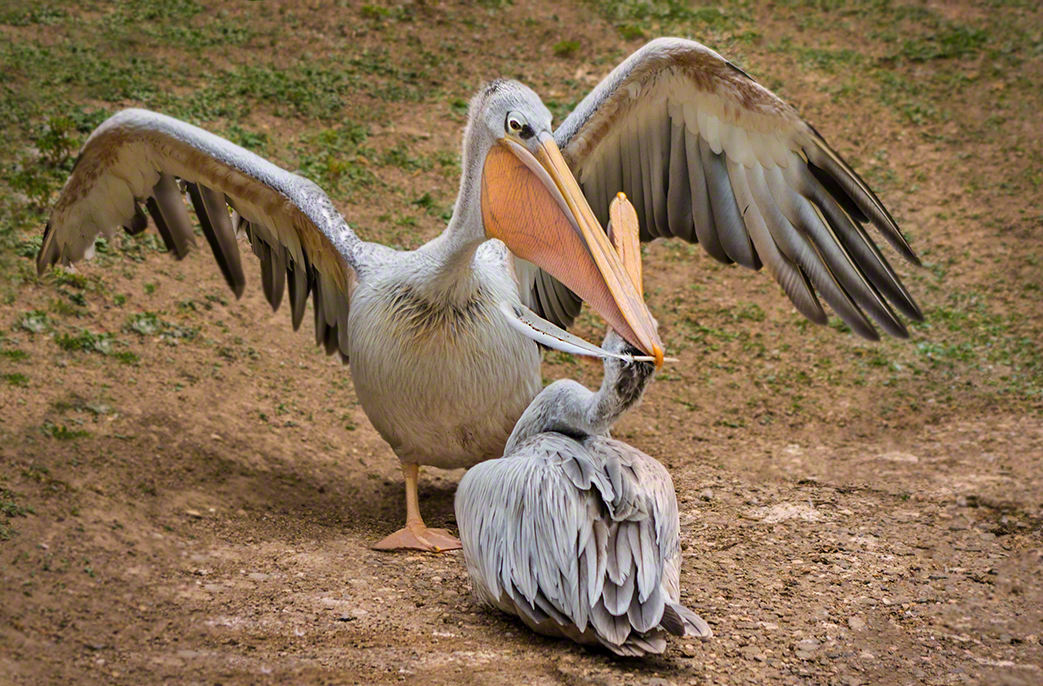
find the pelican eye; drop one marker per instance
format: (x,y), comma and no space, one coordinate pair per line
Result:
(517,125)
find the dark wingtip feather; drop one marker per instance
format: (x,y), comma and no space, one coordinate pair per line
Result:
(45,259)
(298,283)
(171,217)
(138,222)
(212,213)
(822,155)
(264,253)
(866,332)
(277,265)
(838,192)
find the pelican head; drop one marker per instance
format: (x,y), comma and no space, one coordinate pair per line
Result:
(531,201)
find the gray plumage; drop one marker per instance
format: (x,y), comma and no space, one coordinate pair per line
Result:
(681,131)
(171,216)
(137,154)
(574,532)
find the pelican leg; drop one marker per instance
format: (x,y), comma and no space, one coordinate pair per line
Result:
(415,535)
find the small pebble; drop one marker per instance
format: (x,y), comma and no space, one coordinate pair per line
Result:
(707,495)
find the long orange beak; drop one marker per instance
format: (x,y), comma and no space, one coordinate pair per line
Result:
(535,206)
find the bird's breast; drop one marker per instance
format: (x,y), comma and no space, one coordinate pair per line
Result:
(443,381)
(422,321)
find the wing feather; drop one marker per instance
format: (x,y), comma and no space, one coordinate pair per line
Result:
(169,213)
(678,116)
(781,268)
(297,277)
(138,156)
(212,213)
(705,227)
(726,213)
(679,194)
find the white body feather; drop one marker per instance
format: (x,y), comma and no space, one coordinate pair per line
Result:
(442,396)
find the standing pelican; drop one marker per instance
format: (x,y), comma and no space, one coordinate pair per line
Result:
(438,372)
(572,531)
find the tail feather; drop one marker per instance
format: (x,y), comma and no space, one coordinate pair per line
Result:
(680,621)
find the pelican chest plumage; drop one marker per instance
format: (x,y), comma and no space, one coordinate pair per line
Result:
(572,531)
(707,154)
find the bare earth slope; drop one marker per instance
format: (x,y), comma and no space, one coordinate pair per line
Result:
(188,488)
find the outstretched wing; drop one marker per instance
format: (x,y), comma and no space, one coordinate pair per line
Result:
(709,156)
(136,157)
(576,542)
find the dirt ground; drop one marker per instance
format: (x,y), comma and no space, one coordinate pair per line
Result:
(188,488)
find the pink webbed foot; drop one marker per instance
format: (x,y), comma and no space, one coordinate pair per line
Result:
(413,537)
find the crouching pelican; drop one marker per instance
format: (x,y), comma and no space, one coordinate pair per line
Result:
(574,532)
(437,371)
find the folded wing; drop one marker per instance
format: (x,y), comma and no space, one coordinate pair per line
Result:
(579,539)
(140,158)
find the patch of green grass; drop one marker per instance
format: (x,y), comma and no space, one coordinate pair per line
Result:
(312,88)
(335,159)
(630,32)
(37,176)
(374,12)
(14,354)
(148,324)
(43,14)
(36,321)
(428,204)
(29,247)
(566,48)
(9,509)
(62,433)
(251,140)
(125,356)
(458,106)
(951,41)
(964,335)
(16,379)
(824,59)
(668,12)
(906,95)
(85,341)
(747,311)
(398,156)
(145,323)
(136,11)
